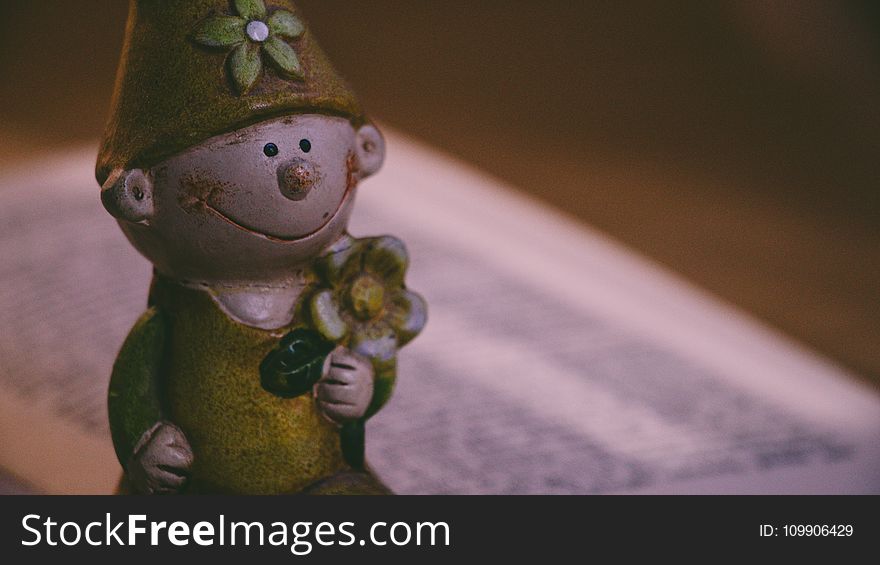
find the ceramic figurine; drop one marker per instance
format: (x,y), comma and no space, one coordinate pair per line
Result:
(231,160)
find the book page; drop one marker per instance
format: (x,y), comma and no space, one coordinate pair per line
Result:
(554,361)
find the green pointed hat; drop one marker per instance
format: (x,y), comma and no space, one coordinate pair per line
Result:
(193,69)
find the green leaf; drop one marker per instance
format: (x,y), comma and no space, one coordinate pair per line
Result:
(220,31)
(245,65)
(285,24)
(251,9)
(296,365)
(283,57)
(325,316)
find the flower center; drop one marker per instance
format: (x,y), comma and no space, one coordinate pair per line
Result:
(367,297)
(257,31)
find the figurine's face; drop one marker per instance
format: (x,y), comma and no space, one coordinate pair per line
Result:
(250,205)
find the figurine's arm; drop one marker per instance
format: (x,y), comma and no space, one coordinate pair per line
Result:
(352,390)
(155,453)
(353,387)
(345,391)
(135,402)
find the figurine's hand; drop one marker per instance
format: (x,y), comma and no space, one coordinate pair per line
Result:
(346,389)
(161,461)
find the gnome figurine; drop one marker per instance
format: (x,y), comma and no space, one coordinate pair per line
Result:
(231,161)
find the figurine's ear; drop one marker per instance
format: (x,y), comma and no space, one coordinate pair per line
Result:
(370,150)
(128,196)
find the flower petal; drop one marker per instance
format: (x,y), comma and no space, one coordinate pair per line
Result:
(376,342)
(245,65)
(283,57)
(331,265)
(408,316)
(251,9)
(285,24)
(326,318)
(220,31)
(387,257)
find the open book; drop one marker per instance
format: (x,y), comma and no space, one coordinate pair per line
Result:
(554,360)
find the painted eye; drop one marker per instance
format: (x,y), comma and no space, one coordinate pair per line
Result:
(271,150)
(305,145)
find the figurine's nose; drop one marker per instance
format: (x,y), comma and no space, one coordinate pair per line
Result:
(296,179)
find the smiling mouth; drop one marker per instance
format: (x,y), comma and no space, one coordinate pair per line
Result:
(200,188)
(274,238)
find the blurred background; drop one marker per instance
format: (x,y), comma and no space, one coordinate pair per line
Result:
(736,143)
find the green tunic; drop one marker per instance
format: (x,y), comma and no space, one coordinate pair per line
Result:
(187,362)
(245,440)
